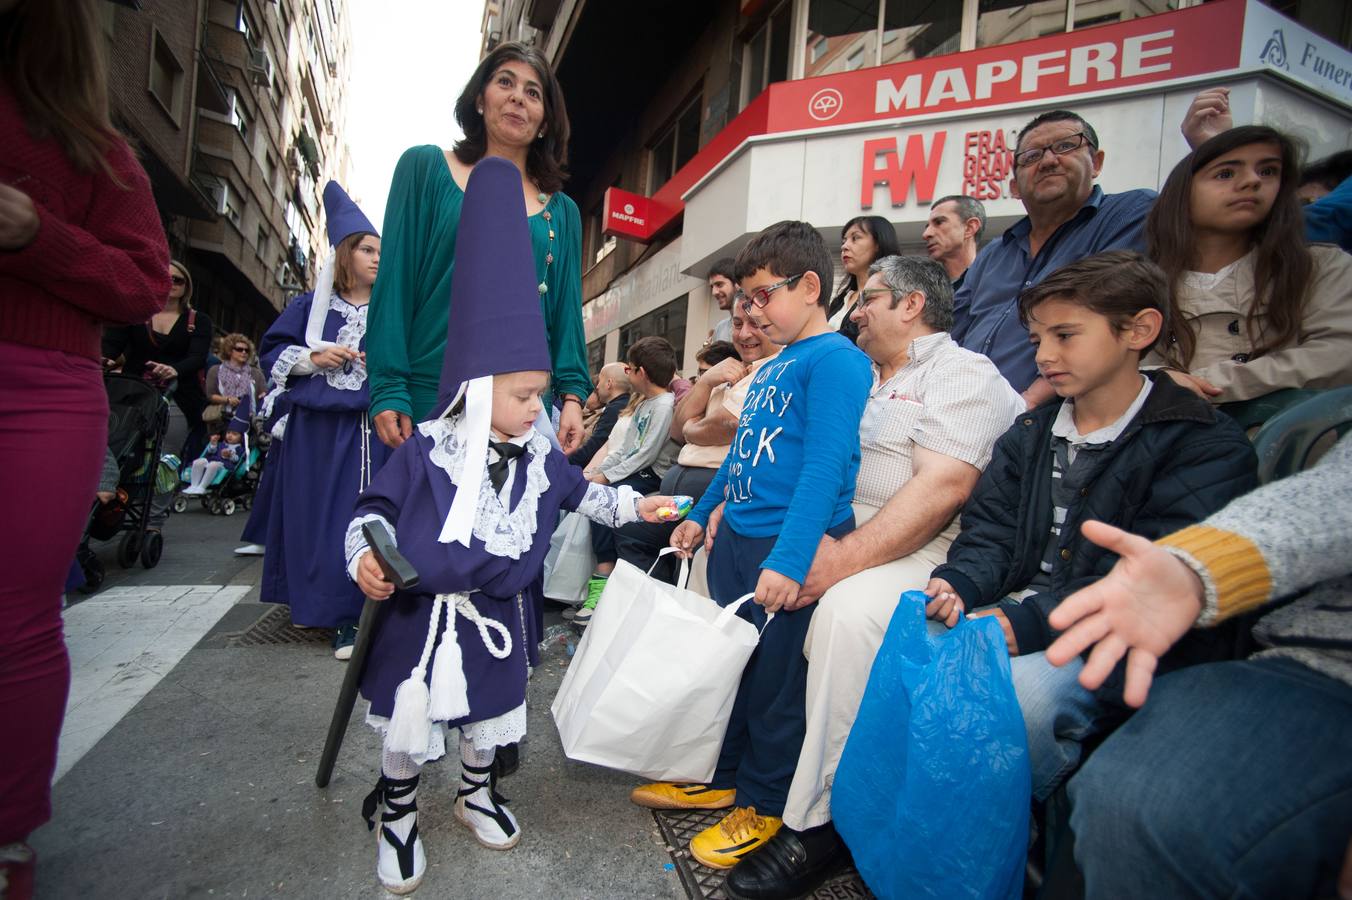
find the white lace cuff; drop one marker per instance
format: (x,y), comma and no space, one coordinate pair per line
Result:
(508,728)
(294,361)
(610,506)
(354,545)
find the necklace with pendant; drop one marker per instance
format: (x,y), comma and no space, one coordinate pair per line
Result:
(549,251)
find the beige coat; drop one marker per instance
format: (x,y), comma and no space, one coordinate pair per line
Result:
(1322,358)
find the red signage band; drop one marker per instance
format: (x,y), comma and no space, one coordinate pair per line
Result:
(1160,47)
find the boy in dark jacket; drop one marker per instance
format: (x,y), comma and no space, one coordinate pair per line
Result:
(1130,448)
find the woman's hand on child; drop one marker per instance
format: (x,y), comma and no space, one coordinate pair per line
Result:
(686,538)
(1195,383)
(371,579)
(333,357)
(775,591)
(945,604)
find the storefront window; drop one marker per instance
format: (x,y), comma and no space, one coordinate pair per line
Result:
(666,321)
(596,355)
(843,35)
(1089,13)
(675,148)
(767,54)
(914,29)
(1005,21)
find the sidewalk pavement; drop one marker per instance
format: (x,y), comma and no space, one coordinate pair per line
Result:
(188,758)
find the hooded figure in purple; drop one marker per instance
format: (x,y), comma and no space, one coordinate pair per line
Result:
(471,506)
(313,354)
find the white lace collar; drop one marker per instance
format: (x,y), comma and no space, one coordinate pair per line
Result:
(506,533)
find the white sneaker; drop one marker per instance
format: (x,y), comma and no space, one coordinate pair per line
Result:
(250,550)
(481,809)
(193,491)
(401,861)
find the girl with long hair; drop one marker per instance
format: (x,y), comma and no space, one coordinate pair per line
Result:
(1253,309)
(862,240)
(81,245)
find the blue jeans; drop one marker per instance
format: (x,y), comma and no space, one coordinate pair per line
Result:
(1059,716)
(1234,780)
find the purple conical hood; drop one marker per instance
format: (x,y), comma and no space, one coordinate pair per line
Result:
(342,215)
(495,324)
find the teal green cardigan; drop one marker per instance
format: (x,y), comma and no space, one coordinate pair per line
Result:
(406,324)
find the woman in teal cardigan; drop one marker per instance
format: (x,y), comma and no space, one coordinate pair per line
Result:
(512,107)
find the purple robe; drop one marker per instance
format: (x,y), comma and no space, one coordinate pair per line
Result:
(414,495)
(318,479)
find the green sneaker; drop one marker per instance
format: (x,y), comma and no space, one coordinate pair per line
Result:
(595,586)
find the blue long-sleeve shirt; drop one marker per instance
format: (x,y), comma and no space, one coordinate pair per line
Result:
(1329,219)
(986,307)
(791,468)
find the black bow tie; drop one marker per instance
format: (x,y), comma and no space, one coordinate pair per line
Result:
(497,469)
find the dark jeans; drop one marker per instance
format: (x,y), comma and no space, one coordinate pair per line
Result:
(1234,780)
(769,716)
(603,538)
(639,542)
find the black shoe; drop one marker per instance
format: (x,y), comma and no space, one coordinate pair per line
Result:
(507,760)
(791,863)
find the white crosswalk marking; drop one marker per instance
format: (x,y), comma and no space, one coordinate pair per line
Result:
(122,642)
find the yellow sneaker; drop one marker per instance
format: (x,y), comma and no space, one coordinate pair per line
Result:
(680,795)
(721,846)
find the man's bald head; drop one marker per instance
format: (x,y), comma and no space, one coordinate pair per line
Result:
(612,383)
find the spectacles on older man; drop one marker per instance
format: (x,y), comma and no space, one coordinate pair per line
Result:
(868,295)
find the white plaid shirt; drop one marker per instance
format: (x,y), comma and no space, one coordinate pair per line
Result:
(945,399)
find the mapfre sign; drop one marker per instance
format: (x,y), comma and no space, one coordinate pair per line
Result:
(1189,42)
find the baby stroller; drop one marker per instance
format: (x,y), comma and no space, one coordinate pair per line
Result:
(138,414)
(234,486)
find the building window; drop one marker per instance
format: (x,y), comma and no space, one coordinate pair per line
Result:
(262,241)
(242,121)
(269,170)
(1003,21)
(244,24)
(766,56)
(677,145)
(666,321)
(166,76)
(1089,13)
(596,355)
(228,202)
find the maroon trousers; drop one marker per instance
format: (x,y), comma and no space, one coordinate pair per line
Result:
(53,435)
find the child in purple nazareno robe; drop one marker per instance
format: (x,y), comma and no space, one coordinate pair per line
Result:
(464,499)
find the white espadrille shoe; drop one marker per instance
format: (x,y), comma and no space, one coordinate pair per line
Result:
(400,859)
(481,809)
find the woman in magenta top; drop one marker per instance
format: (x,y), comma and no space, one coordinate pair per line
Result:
(81,245)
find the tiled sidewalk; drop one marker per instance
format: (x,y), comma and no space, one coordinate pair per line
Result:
(122,642)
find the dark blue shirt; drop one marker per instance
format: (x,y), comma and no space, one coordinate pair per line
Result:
(986,308)
(1328,220)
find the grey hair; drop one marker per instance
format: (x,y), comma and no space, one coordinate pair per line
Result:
(968,208)
(919,273)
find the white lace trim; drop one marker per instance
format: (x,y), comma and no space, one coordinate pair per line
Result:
(504,533)
(279,427)
(352,376)
(508,728)
(294,360)
(354,544)
(610,506)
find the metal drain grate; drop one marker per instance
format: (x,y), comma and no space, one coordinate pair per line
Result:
(702,883)
(274,627)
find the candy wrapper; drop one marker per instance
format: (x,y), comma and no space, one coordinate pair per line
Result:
(681,506)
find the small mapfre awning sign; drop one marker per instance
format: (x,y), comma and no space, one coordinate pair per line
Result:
(631,215)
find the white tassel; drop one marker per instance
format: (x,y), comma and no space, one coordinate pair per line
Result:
(450,692)
(410,727)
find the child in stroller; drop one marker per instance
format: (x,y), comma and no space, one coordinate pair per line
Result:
(226,475)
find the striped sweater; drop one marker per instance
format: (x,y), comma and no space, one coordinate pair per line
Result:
(1290,538)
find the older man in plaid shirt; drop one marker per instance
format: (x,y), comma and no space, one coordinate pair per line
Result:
(927,433)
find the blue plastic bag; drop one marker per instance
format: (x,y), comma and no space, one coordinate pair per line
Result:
(932,791)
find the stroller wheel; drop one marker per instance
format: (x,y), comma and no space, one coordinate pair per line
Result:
(214,504)
(246,503)
(93,571)
(228,507)
(154,546)
(180,504)
(128,548)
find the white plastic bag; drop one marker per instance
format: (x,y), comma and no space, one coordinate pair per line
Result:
(570,561)
(651,686)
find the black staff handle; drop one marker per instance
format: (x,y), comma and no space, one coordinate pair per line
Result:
(403,576)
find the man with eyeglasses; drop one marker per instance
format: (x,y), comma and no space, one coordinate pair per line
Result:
(1069,217)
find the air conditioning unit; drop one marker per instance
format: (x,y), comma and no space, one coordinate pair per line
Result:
(220,193)
(286,279)
(260,67)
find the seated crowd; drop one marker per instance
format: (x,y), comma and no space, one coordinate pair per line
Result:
(1008,430)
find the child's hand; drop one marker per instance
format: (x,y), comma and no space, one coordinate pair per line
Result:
(775,591)
(686,538)
(332,357)
(715,519)
(664,509)
(371,579)
(1011,643)
(945,604)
